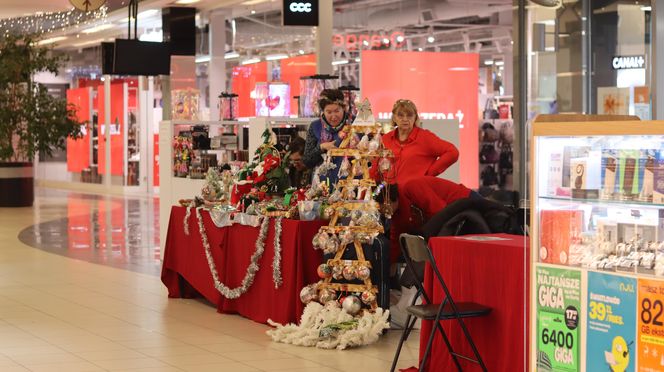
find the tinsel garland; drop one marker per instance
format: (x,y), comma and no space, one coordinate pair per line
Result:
(252,269)
(186,221)
(276,263)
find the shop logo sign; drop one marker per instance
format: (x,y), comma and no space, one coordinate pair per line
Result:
(300,7)
(300,13)
(628,62)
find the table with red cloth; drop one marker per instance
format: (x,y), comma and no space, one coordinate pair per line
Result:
(489,272)
(186,272)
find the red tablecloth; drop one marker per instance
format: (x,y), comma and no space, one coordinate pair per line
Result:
(492,273)
(186,272)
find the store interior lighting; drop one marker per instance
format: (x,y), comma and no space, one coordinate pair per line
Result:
(275,57)
(99,28)
(340,62)
(499,63)
(250,61)
(646,8)
(203,59)
(301,51)
(431,39)
(488,62)
(386,40)
(400,39)
(51,40)
(186,2)
(231,55)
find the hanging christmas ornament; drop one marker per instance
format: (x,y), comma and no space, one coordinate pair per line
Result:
(324,271)
(332,245)
(355,215)
(368,297)
(354,141)
(363,272)
(351,304)
(328,212)
(344,168)
(349,272)
(326,295)
(308,294)
(357,167)
(335,196)
(346,237)
(338,272)
(363,145)
(384,164)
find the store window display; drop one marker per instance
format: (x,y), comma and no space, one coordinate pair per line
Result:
(417,152)
(325,133)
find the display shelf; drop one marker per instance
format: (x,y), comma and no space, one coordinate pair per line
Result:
(635,204)
(598,253)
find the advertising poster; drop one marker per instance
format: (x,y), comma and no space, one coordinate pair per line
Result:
(650,330)
(611,323)
(558,304)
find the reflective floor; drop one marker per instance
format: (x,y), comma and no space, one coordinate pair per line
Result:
(88,298)
(119,232)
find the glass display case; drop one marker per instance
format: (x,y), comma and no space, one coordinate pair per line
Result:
(310,89)
(597,245)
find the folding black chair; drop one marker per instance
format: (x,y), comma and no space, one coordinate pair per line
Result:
(416,251)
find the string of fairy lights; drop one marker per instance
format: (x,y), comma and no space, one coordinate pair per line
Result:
(41,23)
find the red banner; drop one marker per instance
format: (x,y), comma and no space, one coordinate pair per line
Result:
(78,151)
(244,82)
(442,86)
(116,126)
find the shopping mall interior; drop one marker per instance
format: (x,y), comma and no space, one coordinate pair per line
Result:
(168,201)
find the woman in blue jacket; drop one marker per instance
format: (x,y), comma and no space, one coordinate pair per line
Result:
(323,133)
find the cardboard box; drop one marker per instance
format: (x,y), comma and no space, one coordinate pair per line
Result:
(558,230)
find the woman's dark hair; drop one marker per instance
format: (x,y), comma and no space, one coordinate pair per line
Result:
(296,145)
(391,191)
(331,96)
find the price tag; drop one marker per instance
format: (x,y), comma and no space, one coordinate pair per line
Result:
(650,318)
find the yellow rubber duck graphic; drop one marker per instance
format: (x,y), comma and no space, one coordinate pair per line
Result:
(618,357)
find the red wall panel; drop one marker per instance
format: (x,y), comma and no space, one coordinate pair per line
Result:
(117,139)
(244,81)
(292,69)
(442,84)
(78,151)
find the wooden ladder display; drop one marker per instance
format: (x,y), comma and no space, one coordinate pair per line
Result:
(364,185)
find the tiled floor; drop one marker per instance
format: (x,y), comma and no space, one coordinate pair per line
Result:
(98,304)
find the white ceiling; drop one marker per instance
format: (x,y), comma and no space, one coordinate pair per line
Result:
(19,8)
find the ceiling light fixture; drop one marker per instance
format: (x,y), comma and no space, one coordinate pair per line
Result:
(646,8)
(386,40)
(94,29)
(92,42)
(301,51)
(400,39)
(250,61)
(365,42)
(185,2)
(419,49)
(253,2)
(202,59)
(275,57)
(488,62)
(431,39)
(499,63)
(231,55)
(357,59)
(51,40)
(340,62)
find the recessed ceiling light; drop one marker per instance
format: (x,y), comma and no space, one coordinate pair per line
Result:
(51,40)
(301,51)
(431,39)
(183,2)
(400,38)
(94,29)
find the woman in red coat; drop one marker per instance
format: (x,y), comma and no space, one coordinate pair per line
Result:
(417,152)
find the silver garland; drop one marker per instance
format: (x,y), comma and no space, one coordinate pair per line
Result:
(252,269)
(276,263)
(186,221)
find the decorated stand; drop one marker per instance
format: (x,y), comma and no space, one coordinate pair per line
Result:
(342,309)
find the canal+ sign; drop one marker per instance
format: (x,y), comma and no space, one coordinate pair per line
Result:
(628,62)
(300,13)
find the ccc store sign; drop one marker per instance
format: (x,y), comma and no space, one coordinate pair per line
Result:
(300,12)
(296,7)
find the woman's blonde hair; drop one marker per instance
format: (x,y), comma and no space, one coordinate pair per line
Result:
(407,106)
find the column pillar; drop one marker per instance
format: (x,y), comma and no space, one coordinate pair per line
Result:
(217,66)
(324,37)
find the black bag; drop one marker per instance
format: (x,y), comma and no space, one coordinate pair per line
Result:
(490,111)
(489,176)
(489,154)
(506,163)
(488,133)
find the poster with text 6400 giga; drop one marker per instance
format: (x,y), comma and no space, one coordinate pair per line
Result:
(611,325)
(558,304)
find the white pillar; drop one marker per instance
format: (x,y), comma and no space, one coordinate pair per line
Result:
(217,67)
(107,130)
(324,37)
(657,61)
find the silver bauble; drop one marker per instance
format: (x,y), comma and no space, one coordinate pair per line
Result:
(352,305)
